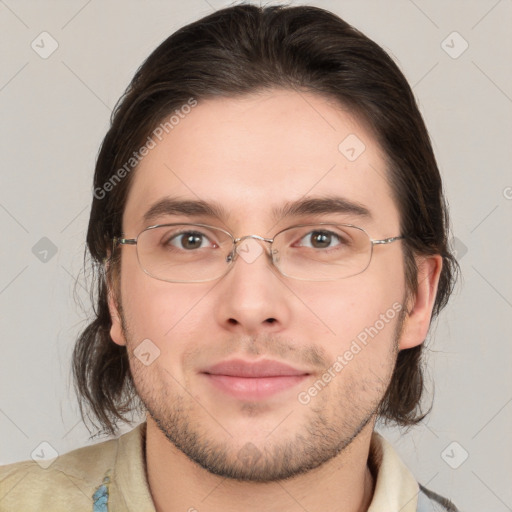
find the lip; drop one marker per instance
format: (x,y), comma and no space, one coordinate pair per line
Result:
(254,369)
(253,380)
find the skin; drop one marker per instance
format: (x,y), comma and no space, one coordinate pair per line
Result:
(250,154)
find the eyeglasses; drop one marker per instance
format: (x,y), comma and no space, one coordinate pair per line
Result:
(195,253)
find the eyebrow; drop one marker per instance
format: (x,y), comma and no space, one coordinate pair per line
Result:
(169,206)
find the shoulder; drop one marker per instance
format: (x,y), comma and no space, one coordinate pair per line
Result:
(429,501)
(66,483)
(396,487)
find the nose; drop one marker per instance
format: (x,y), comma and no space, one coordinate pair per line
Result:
(251,297)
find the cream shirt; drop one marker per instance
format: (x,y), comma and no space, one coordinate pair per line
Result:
(110,476)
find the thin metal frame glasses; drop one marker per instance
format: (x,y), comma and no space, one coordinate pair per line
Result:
(160,258)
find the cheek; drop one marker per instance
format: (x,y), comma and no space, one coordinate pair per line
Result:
(159,311)
(353,304)
(360,311)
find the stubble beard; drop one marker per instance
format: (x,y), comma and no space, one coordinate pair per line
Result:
(324,431)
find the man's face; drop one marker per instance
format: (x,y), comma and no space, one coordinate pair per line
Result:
(251,155)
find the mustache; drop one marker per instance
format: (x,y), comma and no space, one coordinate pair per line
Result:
(268,345)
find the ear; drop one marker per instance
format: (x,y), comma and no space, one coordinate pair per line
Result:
(116,330)
(417,321)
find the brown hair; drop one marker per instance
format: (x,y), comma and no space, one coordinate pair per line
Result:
(244,49)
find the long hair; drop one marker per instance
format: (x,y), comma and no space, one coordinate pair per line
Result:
(240,50)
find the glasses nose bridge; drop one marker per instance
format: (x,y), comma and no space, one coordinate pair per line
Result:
(236,241)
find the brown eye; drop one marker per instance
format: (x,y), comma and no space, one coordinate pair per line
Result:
(188,240)
(191,240)
(321,239)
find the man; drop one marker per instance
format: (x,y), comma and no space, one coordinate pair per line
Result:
(271,238)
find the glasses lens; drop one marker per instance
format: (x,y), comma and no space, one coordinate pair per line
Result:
(184,252)
(190,253)
(323,252)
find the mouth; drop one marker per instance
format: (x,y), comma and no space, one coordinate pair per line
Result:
(247,380)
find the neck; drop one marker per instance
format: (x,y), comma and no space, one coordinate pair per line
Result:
(178,484)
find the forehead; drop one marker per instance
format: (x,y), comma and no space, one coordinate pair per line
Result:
(251,157)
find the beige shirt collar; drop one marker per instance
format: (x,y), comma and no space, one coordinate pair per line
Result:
(395,487)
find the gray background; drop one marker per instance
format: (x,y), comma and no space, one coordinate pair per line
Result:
(55,112)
